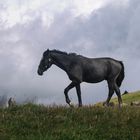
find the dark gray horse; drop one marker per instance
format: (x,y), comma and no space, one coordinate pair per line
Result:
(82,69)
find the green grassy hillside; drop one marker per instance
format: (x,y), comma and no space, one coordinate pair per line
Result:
(32,122)
(128,98)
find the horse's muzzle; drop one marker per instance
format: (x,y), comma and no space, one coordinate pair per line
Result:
(39,72)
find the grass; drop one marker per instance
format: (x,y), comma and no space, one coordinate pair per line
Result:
(36,122)
(128,98)
(32,122)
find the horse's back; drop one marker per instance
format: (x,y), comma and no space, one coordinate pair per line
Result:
(99,69)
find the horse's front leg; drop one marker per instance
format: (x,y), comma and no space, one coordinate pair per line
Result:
(78,89)
(70,86)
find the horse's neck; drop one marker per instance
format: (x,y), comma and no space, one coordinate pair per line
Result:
(61,60)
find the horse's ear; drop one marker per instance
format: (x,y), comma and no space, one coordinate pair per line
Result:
(46,52)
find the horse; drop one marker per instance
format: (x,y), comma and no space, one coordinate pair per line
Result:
(83,69)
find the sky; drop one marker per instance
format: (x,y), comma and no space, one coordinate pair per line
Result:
(93,28)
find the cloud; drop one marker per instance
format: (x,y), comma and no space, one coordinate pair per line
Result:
(110,28)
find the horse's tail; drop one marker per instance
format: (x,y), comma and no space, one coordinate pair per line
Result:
(121,75)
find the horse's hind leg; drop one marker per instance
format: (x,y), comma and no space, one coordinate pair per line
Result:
(117,90)
(111,91)
(70,86)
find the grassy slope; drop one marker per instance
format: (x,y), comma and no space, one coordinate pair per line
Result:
(128,98)
(32,122)
(60,123)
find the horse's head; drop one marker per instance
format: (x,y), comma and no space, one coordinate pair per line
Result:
(45,62)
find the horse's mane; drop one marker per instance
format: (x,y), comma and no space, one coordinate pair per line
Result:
(65,53)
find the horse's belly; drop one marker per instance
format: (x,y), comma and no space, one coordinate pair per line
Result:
(92,79)
(92,76)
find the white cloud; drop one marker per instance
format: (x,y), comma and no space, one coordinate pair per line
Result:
(89,27)
(21,12)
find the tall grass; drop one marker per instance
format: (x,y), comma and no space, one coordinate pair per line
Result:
(32,122)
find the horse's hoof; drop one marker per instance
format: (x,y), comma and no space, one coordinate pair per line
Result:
(104,104)
(80,105)
(71,105)
(120,106)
